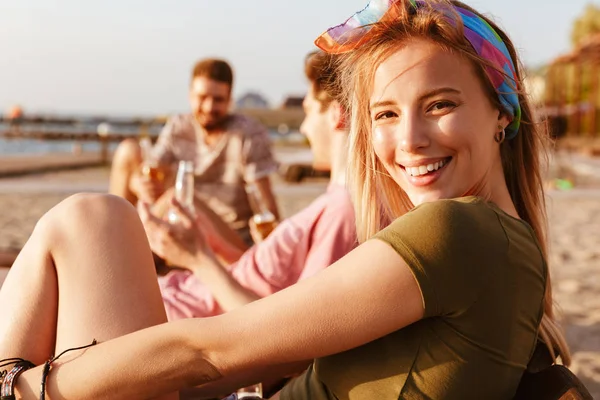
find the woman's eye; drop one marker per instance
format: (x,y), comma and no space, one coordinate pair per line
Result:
(441,105)
(385,115)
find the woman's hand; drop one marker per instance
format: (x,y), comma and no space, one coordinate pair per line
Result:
(182,244)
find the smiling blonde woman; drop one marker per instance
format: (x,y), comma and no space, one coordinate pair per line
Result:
(447,302)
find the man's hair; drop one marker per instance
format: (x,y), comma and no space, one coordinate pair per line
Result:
(320,70)
(213,69)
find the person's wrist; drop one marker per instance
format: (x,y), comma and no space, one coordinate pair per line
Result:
(216,243)
(23,384)
(203,261)
(206,255)
(10,378)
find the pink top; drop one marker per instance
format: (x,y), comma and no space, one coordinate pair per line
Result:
(299,247)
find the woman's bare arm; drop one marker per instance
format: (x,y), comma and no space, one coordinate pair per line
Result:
(366,295)
(144,364)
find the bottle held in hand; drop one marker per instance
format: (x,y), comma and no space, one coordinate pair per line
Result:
(252,392)
(264,223)
(153,172)
(264,220)
(184,194)
(150,167)
(184,189)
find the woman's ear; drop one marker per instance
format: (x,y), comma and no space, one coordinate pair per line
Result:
(503,119)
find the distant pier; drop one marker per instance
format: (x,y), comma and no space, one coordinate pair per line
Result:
(116,129)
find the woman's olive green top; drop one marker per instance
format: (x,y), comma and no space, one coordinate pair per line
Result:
(482,276)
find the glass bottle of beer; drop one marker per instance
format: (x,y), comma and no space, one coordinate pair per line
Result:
(263,218)
(150,167)
(184,189)
(252,392)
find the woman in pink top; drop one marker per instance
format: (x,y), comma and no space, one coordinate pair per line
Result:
(299,247)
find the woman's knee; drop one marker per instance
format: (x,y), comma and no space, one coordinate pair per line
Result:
(87,213)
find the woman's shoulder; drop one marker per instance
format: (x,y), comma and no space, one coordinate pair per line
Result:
(457,213)
(447,244)
(448,225)
(462,227)
(458,204)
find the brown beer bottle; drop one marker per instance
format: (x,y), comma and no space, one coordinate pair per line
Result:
(264,220)
(150,167)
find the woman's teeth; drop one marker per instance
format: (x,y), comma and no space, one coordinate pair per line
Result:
(425,169)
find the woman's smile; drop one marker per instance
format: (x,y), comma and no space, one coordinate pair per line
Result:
(426,171)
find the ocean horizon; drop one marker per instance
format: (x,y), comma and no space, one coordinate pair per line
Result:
(14,146)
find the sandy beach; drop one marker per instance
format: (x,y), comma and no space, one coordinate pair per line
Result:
(574,217)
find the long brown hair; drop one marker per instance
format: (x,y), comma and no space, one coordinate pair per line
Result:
(377,197)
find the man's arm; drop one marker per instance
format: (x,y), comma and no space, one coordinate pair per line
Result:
(259,162)
(227,291)
(266,192)
(226,242)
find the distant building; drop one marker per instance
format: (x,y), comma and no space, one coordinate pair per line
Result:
(292,102)
(251,100)
(572,92)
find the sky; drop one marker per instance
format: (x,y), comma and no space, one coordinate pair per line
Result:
(133,57)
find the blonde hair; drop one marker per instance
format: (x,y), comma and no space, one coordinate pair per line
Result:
(377,198)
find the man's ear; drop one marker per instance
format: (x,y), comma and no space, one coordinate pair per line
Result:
(338,115)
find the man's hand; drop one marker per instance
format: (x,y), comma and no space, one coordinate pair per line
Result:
(146,189)
(257,235)
(182,244)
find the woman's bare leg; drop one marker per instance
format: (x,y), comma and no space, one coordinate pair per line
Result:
(86,273)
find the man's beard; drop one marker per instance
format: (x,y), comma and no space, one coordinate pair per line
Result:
(214,123)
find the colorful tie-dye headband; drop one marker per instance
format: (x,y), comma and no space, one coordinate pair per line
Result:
(485,40)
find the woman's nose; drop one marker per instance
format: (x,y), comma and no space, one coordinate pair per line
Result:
(412,134)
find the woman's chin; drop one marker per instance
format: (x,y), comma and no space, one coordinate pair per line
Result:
(421,198)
